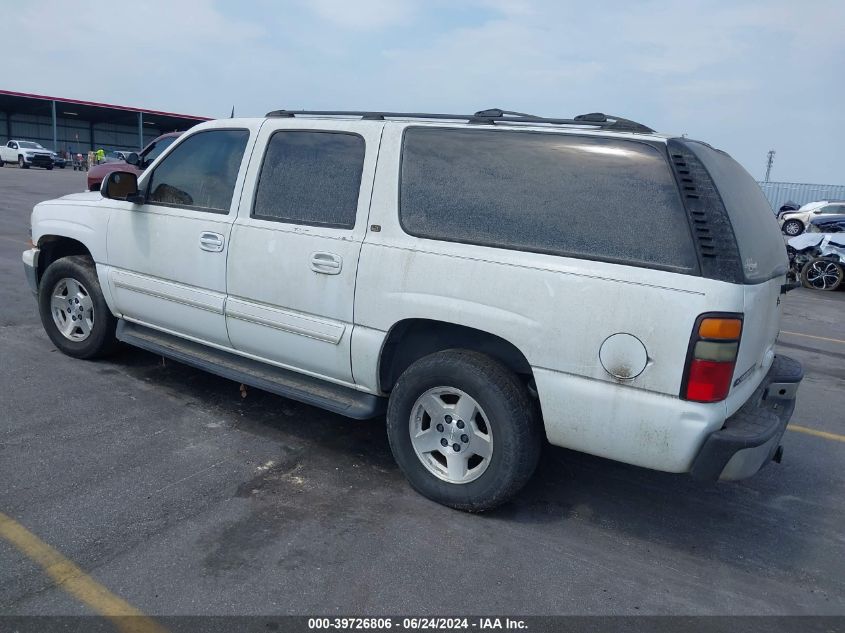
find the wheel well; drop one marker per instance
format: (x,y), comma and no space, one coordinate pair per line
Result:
(410,340)
(53,247)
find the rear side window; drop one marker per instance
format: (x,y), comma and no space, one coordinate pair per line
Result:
(758,236)
(200,173)
(576,196)
(311,178)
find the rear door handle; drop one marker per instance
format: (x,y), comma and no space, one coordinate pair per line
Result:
(212,242)
(326,263)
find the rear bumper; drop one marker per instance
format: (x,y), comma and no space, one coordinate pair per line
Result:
(750,438)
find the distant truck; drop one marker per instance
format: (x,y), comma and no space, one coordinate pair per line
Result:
(26,154)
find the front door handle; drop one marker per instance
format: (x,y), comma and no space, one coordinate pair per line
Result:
(326,263)
(212,242)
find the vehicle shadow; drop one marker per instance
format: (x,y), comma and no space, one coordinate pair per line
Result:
(753,524)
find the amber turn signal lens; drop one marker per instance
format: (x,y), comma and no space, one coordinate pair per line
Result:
(724,329)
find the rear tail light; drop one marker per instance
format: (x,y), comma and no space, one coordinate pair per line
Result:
(712,357)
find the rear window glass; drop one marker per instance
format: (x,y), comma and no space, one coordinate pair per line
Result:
(311,178)
(758,236)
(578,196)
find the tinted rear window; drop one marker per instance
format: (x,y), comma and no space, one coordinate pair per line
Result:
(577,196)
(758,237)
(311,178)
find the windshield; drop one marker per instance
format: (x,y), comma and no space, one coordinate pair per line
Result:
(29,145)
(157,149)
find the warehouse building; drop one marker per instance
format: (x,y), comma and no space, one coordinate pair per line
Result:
(779,193)
(70,125)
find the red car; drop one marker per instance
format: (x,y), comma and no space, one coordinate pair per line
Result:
(96,173)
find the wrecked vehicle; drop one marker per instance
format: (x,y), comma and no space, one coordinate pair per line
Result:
(827,224)
(817,260)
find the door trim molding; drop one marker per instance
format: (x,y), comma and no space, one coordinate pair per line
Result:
(169,291)
(285,320)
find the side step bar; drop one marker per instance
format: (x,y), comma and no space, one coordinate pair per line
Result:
(282,382)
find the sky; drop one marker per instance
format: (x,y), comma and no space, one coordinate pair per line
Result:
(746,77)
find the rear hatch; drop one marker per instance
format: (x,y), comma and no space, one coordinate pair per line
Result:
(762,266)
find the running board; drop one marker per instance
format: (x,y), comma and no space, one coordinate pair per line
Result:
(282,382)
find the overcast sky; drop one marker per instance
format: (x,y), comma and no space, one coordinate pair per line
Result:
(745,76)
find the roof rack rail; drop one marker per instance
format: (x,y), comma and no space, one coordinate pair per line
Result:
(490,116)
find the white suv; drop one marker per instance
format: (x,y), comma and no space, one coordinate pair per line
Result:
(489,281)
(796,222)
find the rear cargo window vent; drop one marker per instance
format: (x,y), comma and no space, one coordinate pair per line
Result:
(709,225)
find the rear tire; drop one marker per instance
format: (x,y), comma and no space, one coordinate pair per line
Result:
(73,310)
(484,415)
(793,227)
(822,274)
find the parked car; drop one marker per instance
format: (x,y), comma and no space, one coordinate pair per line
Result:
(833,223)
(466,275)
(135,163)
(59,160)
(817,260)
(786,207)
(26,154)
(795,222)
(118,156)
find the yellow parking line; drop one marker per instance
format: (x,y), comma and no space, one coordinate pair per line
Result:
(819,338)
(76,582)
(828,436)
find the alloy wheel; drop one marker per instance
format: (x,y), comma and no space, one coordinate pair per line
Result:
(451,435)
(72,309)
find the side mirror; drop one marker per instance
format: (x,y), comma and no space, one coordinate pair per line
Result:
(133,159)
(121,185)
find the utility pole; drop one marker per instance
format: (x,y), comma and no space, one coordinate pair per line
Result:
(769,160)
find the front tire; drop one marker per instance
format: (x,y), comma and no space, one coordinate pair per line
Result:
(793,227)
(73,310)
(822,274)
(22,163)
(464,430)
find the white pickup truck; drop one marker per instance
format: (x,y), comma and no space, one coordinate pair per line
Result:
(26,154)
(489,281)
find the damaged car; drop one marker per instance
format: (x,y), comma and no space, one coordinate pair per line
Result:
(817,260)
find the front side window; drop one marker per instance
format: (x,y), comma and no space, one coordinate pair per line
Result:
(201,172)
(577,196)
(311,178)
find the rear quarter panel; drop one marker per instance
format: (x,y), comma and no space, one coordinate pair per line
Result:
(558,311)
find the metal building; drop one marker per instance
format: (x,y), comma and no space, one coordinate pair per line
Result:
(70,125)
(780,192)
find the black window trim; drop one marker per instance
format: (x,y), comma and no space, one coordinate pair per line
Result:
(189,207)
(661,149)
(324,225)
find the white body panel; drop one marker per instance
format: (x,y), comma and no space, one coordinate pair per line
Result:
(557,311)
(159,274)
(282,307)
